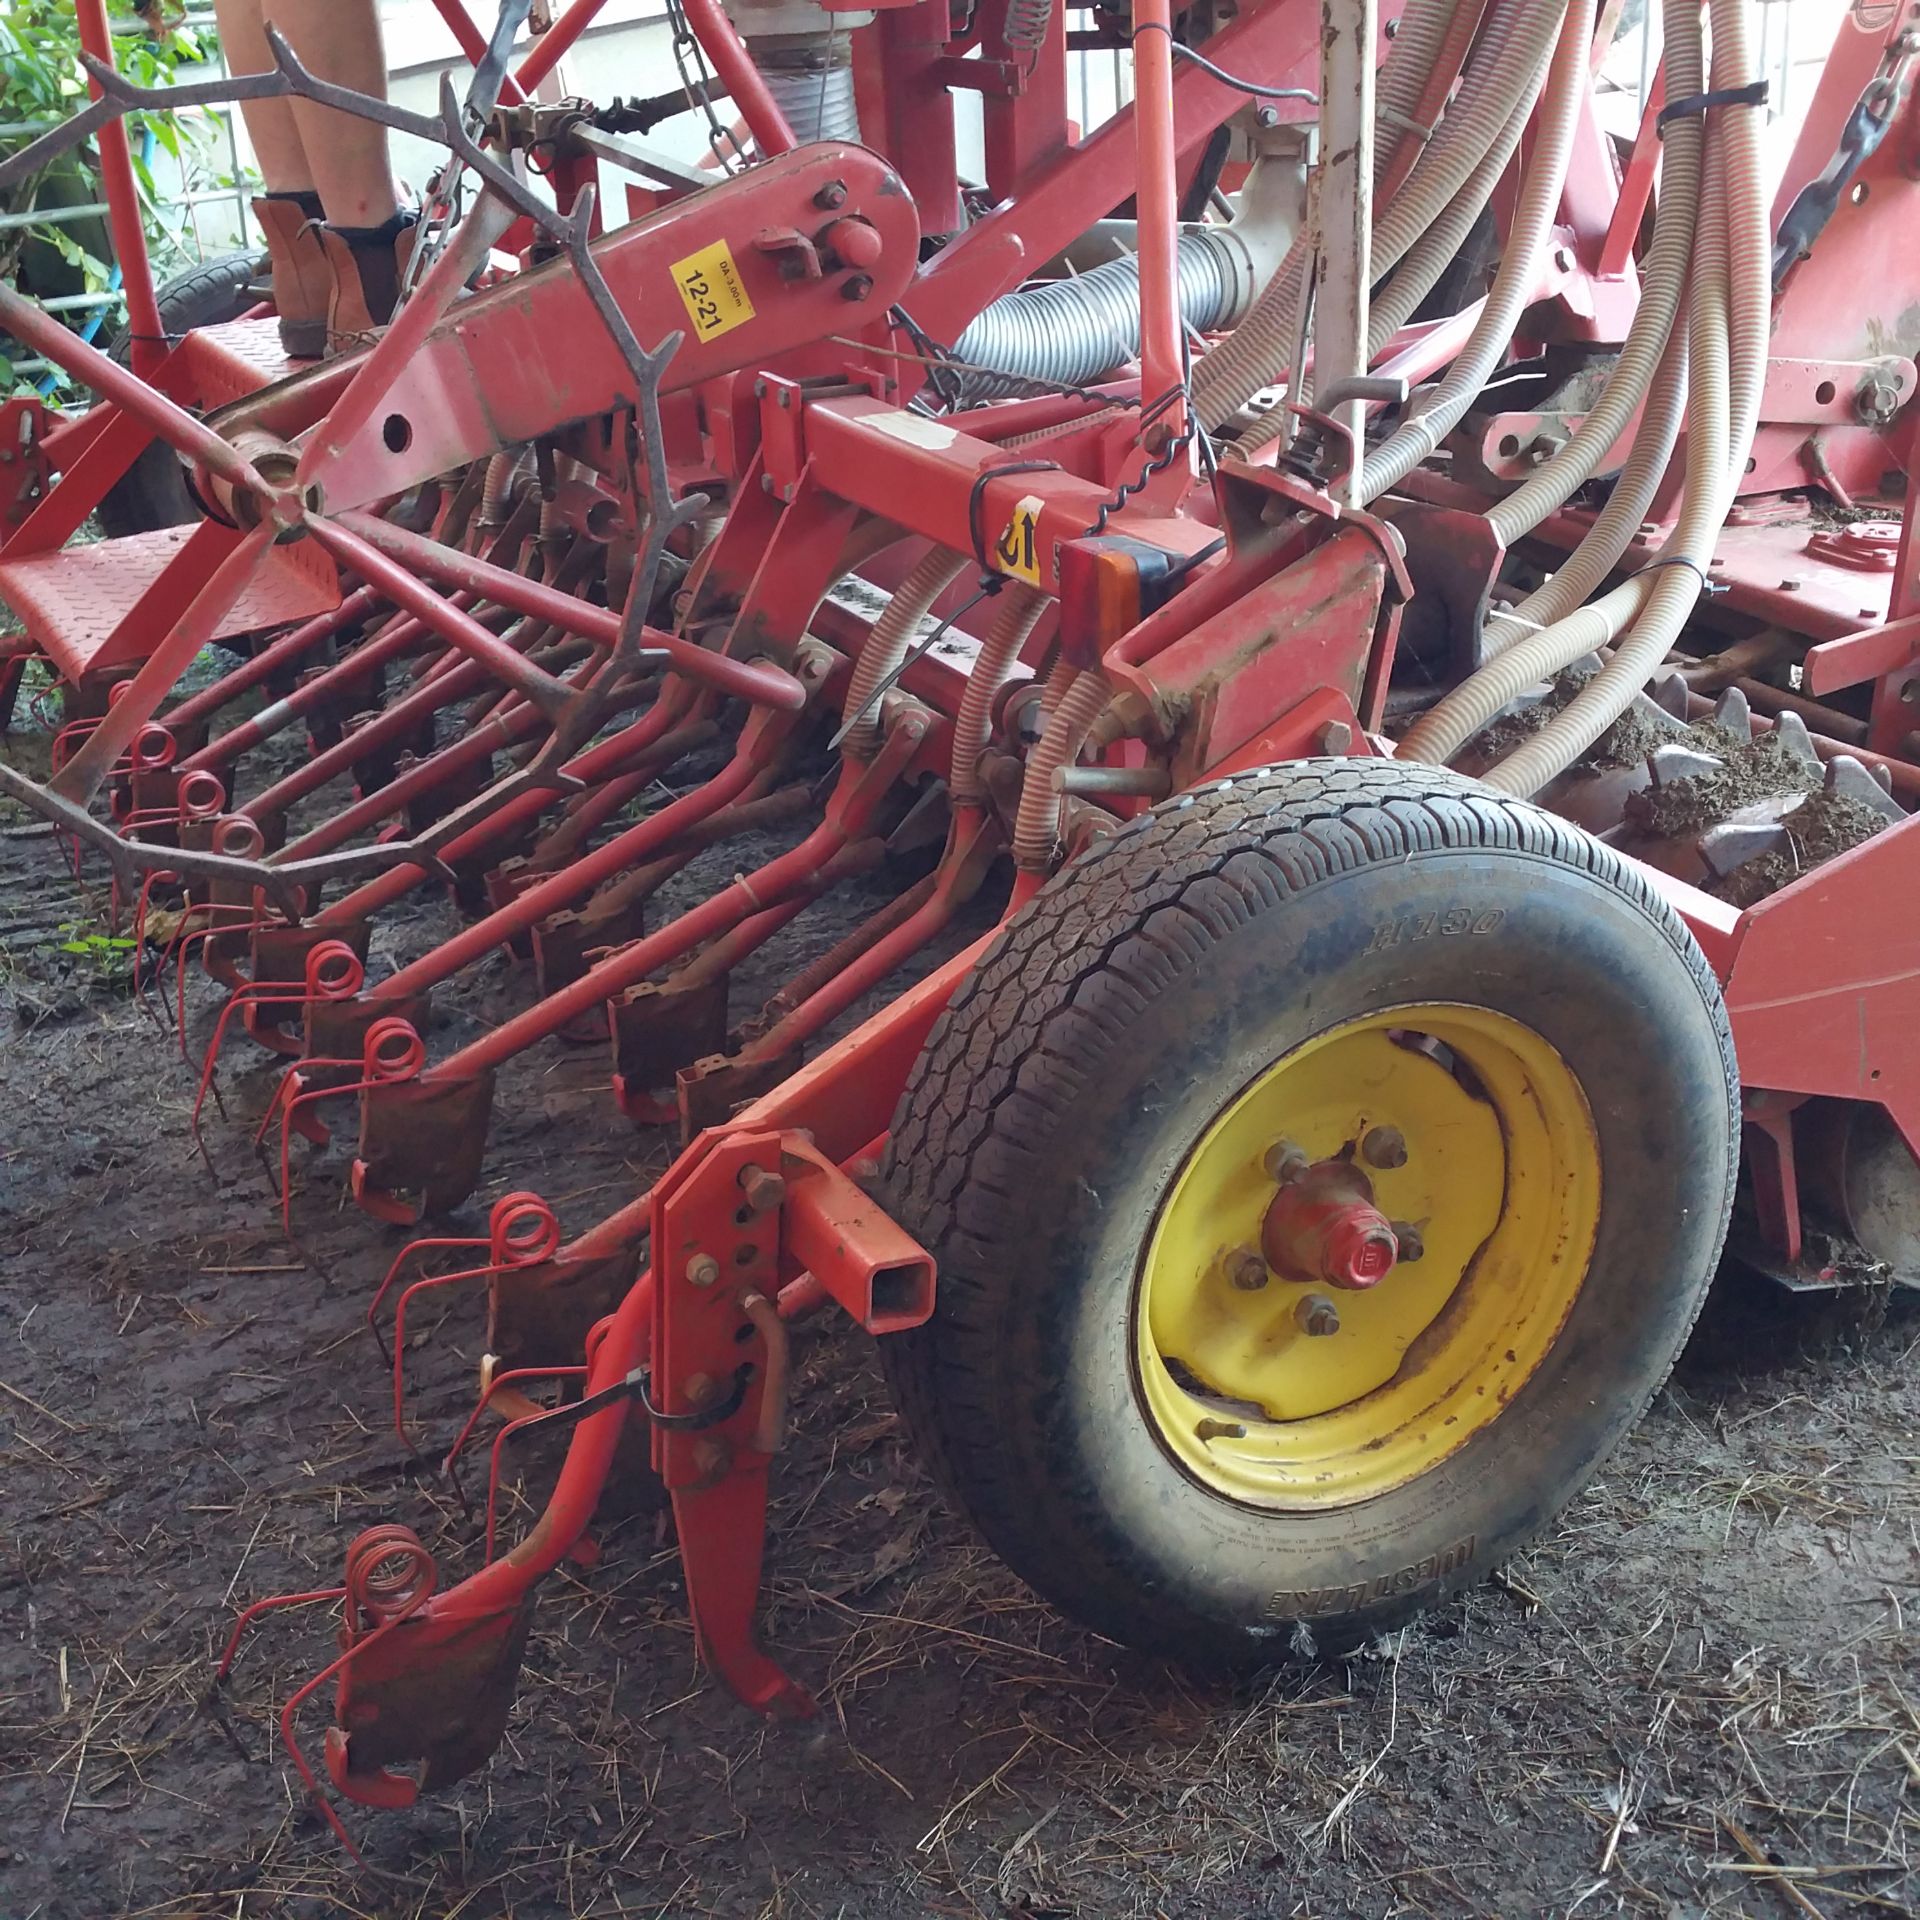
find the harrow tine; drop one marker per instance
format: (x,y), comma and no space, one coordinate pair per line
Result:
(522,1230)
(393,1051)
(334,972)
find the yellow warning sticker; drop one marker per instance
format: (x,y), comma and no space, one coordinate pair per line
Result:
(709,283)
(1017,551)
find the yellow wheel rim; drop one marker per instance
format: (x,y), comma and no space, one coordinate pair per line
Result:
(1501,1182)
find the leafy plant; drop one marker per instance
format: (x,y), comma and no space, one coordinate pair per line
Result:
(41,82)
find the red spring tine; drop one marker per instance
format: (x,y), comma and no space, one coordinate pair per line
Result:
(260,1607)
(500,1439)
(216,917)
(201,795)
(500,1381)
(392,1050)
(390,1577)
(334,972)
(522,1230)
(142,906)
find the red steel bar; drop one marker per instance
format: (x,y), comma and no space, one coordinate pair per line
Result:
(1157,190)
(595,764)
(398,640)
(249,673)
(454,625)
(548,896)
(734,64)
(123,206)
(553,45)
(759,681)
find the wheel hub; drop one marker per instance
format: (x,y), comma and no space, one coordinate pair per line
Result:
(1433,1168)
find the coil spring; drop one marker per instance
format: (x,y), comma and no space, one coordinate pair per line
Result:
(1027,24)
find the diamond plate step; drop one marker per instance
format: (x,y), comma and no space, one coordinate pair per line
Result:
(75,604)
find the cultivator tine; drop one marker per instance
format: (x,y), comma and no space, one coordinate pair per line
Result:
(393,1051)
(522,1231)
(334,971)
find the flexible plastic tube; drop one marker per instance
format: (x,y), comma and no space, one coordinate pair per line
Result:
(1539,201)
(1728,325)
(887,644)
(1663,279)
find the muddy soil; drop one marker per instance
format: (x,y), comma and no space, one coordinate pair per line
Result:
(1698,1695)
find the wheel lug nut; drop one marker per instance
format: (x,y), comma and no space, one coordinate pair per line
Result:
(1285,1162)
(1384,1147)
(1317,1316)
(1247,1269)
(1412,1245)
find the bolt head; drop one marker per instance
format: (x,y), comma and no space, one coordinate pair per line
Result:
(702,1270)
(1317,1317)
(762,1188)
(1410,1241)
(1384,1147)
(1284,1162)
(856,286)
(1247,1269)
(833,194)
(1336,737)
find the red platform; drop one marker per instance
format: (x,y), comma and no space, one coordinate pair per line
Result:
(75,604)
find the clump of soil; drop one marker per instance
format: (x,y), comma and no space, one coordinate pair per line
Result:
(1761,769)
(1822,826)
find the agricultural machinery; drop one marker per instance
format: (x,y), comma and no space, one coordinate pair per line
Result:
(1396,592)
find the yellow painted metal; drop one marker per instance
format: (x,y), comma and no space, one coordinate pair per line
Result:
(1502,1179)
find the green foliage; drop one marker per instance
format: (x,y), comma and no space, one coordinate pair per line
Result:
(41,80)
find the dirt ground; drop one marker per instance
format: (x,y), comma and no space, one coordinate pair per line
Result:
(1698,1696)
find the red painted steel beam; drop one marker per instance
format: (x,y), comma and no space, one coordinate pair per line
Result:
(457,628)
(759,681)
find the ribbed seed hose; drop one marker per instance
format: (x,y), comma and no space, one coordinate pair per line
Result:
(1551,628)
(1416,439)
(1012,626)
(887,644)
(1729,318)
(1662,282)
(1512,49)
(1036,827)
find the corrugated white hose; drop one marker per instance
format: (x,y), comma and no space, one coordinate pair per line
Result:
(1036,826)
(1013,622)
(1416,439)
(1440,245)
(1663,280)
(1552,628)
(1727,336)
(887,644)
(1512,48)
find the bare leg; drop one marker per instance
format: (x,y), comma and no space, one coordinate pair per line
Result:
(339,40)
(270,123)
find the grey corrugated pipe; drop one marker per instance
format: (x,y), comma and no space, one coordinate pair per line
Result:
(1662,282)
(1070,331)
(1013,623)
(1731,313)
(889,640)
(1539,201)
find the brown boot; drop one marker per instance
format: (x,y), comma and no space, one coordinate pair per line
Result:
(367,265)
(302,283)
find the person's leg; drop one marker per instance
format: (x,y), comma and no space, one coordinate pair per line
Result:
(339,41)
(302,280)
(368,236)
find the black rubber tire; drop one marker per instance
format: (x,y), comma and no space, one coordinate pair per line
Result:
(1104,1030)
(152,493)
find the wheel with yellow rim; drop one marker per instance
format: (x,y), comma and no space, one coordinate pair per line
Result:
(1323,1173)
